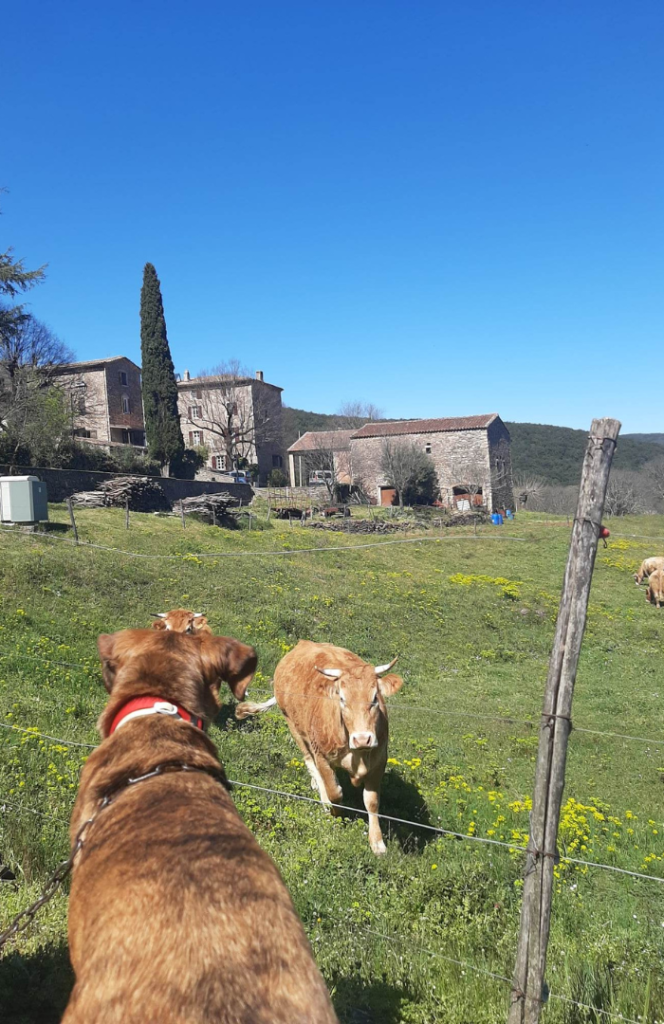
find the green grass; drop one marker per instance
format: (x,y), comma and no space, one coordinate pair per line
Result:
(472,620)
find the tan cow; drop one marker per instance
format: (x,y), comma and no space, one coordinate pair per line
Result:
(334,704)
(655,591)
(648,566)
(181,621)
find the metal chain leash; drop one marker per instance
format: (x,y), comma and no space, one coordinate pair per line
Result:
(24,919)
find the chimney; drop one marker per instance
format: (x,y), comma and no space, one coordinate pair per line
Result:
(259,375)
(187,375)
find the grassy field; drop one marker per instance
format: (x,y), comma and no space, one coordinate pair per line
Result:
(472,619)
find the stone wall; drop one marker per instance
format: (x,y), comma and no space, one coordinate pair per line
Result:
(62,483)
(501,465)
(86,391)
(461,457)
(257,420)
(118,419)
(267,417)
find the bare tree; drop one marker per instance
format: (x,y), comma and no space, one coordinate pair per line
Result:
(527,489)
(237,412)
(407,468)
(355,414)
(29,355)
(624,495)
(654,471)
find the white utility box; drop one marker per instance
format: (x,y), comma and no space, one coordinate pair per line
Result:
(23,499)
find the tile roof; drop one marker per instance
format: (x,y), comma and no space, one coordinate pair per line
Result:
(323,440)
(388,429)
(88,363)
(211,381)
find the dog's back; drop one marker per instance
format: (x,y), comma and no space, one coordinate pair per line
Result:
(176,914)
(179,916)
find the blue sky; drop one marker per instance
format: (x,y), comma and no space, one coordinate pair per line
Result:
(442,208)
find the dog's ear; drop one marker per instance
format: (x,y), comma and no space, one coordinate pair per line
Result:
(228,660)
(106,648)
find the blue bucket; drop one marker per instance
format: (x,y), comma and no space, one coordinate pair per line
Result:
(509,514)
(496,518)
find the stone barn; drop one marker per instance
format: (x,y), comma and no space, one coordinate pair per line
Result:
(471,455)
(319,456)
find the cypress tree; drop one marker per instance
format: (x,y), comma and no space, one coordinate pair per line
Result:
(160,390)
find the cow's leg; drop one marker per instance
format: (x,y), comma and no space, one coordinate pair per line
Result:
(316,781)
(371,796)
(329,788)
(322,777)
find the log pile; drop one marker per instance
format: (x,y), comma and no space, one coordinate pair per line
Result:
(143,494)
(363,526)
(219,509)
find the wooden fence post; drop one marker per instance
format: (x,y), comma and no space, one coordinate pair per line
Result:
(73,521)
(528,987)
(127,513)
(184,525)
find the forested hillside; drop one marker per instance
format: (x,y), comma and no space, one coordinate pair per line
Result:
(556,453)
(553,453)
(648,438)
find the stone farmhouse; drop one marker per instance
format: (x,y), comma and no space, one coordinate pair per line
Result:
(105,399)
(471,455)
(237,419)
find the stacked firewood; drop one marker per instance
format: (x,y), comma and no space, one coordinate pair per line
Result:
(140,493)
(219,509)
(364,526)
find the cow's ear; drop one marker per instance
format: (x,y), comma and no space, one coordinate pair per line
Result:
(390,684)
(159,624)
(228,660)
(106,648)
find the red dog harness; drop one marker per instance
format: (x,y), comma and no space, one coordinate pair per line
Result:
(141,706)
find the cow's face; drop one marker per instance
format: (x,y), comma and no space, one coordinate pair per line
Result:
(361,694)
(181,621)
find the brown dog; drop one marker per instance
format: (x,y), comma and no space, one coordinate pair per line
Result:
(176,915)
(181,621)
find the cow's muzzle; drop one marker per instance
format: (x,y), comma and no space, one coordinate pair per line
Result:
(363,740)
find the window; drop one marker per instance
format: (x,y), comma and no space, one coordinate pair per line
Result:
(219,462)
(277,462)
(199,394)
(195,412)
(427,449)
(125,404)
(80,432)
(195,437)
(80,404)
(123,379)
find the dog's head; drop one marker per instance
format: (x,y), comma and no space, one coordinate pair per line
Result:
(185,669)
(181,621)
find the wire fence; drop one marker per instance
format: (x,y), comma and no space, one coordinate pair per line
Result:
(398,707)
(273,552)
(8,804)
(289,795)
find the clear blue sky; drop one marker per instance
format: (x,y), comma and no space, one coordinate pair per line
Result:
(443,208)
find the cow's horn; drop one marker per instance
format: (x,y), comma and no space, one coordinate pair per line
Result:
(380,669)
(159,615)
(198,615)
(331,673)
